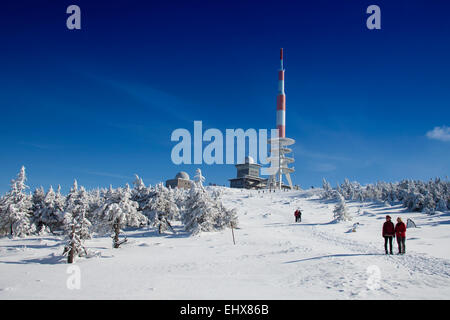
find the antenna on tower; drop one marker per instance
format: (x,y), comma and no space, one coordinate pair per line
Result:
(278,150)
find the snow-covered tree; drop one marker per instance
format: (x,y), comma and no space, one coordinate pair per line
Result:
(112,219)
(327,189)
(441,205)
(118,211)
(428,197)
(225,216)
(340,210)
(76,225)
(77,206)
(140,193)
(16,209)
(162,208)
(95,201)
(133,218)
(203,213)
(38,206)
(347,189)
(48,209)
(429,205)
(199,178)
(338,190)
(74,246)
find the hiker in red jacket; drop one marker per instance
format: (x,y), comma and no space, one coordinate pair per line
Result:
(400,233)
(388,234)
(296,215)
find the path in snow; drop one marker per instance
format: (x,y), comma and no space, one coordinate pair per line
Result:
(329,257)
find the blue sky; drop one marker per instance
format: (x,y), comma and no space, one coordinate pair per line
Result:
(99,104)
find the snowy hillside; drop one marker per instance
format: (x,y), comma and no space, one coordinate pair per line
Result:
(273,258)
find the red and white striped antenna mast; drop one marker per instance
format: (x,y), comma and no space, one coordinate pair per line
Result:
(278,150)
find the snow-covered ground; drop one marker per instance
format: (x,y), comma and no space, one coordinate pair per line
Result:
(274,258)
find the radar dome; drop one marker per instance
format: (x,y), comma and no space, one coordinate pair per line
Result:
(182,175)
(249,160)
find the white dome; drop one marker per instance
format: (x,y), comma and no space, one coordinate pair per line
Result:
(182,175)
(249,159)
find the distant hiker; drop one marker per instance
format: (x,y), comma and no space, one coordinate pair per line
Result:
(388,234)
(400,233)
(298,215)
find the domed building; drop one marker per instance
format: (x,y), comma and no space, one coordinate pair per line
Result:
(181,180)
(182,175)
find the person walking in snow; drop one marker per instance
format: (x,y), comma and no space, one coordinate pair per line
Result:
(296,215)
(388,234)
(400,233)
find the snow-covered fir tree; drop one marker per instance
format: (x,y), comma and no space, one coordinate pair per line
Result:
(117,212)
(162,209)
(77,206)
(16,209)
(140,193)
(74,246)
(203,213)
(48,211)
(441,205)
(199,178)
(76,225)
(340,210)
(38,207)
(133,218)
(427,197)
(327,189)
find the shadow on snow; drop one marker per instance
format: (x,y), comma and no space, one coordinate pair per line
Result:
(50,259)
(334,256)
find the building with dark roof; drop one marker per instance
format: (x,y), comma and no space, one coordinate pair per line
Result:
(248,176)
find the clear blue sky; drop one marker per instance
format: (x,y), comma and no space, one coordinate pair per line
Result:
(99,104)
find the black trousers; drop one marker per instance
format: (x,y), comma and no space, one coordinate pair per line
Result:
(386,239)
(401,244)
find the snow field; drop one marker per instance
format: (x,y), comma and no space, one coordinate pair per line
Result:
(274,258)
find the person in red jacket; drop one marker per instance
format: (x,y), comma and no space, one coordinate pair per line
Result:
(400,233)
(296,214)
(388,234)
